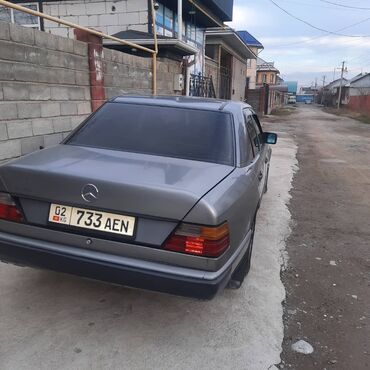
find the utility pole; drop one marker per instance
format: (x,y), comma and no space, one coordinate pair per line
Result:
(341,83)
(323,89)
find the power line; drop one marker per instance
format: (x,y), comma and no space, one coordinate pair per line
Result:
(344,6)
(319,37)
(332,7)
(311,25)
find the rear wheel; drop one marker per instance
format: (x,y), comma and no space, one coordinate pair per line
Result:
(244,266)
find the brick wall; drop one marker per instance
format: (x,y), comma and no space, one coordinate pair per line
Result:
(106,16)
(44,89)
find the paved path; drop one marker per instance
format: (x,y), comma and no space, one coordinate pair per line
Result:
(328,275)
(54,321)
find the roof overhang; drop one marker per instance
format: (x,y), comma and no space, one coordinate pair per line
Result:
(175,46)
(230,40)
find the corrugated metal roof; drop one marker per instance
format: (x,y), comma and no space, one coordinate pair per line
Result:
(249,40)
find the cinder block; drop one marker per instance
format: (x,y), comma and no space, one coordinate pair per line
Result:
(18,129)
(39,92)
(76,9)
(21,34)
(45,40)
(50,109)
(12,51)
(62,124)
(137,5)
(108,19)
(62,9)
(10,149)
(129,18)
(6,71)
(84,108)
(77,120)
(4,31)
(58,76)
(68,108)
(107,54)
(65,44)
(120,5)
(76,93)
(82,78)
(3,131)
(31,144)
(80,48)
(59,93)
(95,8)
(15,91)
(29,110)
(27,72)
(51,140)
(8,111)
(42,126)
(60,31)
(143,18)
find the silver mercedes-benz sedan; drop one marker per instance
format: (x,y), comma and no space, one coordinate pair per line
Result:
(157,193)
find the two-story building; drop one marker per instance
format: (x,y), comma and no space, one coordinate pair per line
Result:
(256,47)
(227,57)
(267,73)
(180,24)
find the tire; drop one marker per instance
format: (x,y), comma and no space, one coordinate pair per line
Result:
(244,266)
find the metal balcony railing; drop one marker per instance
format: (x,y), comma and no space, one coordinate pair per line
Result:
(201,86)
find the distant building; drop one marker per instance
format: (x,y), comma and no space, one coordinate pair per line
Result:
(227,58)
(292,87)
(267,73)
(256,48)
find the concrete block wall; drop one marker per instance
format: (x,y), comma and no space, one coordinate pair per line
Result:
(129,74)
(106,16)
(44,89)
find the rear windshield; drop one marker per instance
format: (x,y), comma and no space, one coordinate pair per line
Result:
(165,131)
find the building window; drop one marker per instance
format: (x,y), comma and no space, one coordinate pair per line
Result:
(20,18)
(272,79)
(167,25)
(249,63)
(165,21)
(264,78)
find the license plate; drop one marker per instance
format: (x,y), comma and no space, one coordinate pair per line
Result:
(94,220)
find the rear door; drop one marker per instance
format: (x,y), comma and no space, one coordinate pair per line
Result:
(258,162)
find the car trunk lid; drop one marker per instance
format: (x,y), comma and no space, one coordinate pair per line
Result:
(132,183)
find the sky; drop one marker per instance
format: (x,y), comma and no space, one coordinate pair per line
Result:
(303,53)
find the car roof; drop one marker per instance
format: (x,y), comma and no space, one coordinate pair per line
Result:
(182,102)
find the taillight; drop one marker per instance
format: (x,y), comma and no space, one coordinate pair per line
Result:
(199,240)
(8,209)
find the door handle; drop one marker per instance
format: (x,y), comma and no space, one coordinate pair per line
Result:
(260,176)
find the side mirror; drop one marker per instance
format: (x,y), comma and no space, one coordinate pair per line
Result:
(270,137)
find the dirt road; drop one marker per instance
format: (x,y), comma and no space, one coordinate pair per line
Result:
(328,275)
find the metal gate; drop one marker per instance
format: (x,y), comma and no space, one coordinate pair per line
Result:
(225,83)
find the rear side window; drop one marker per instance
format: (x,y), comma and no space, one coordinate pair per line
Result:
(254,135)
(165,131)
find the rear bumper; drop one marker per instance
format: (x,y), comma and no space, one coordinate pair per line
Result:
(26,252)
